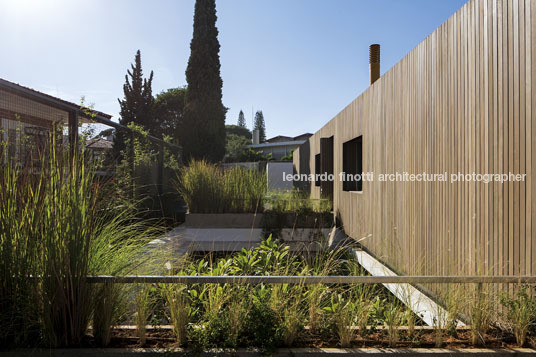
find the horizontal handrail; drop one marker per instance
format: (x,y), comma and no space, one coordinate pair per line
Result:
(131,279)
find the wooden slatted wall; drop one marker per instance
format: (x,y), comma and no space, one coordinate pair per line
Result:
(462,101)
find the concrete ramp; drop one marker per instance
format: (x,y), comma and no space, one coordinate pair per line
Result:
(419,303)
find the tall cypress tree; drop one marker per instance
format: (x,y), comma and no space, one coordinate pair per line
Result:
(259,125)
(204,111)
(137,104)
(241,119)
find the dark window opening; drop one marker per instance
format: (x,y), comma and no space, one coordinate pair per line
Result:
(352,164)
(317,169)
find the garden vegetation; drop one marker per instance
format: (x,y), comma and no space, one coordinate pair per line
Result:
(58,224)
(207,188)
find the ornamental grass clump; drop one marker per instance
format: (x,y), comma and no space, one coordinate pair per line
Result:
(482,308)
(207,188)
(180,311)
(142,304)
(56,228)
(344,312)
(287,300)
(244,190)
(454,305)
(393,318)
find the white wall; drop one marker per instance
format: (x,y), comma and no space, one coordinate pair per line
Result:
(274,173)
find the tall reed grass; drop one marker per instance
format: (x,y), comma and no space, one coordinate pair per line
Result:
(482,312)
(208,189)
(56,228)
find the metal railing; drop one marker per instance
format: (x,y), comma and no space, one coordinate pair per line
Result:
(132,279)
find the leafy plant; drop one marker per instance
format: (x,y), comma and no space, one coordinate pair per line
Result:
(521,313)
(261,328)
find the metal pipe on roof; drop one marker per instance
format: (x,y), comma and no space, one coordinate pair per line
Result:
(374,62)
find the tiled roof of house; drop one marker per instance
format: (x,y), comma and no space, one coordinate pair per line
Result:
(281,138)
(99,143)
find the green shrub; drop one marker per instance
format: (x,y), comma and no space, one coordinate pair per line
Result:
(521,313)
(261,327)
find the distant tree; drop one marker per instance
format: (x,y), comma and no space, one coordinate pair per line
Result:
(105,133)
(260,126)
(289,156)
(235,148)
(253,156)
(169,113)
(238,130)
(137,104)
(204,120)
(241,119)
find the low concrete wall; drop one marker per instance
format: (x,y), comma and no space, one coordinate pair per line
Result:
(223,220)
(234,239)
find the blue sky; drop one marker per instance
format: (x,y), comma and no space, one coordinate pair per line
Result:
(299,61)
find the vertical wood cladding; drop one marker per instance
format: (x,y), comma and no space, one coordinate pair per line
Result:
(462,101)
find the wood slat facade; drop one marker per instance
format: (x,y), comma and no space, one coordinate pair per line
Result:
(462,101)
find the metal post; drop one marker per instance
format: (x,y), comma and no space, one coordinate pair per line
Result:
(73,130)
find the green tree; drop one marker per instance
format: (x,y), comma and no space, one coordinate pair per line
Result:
(289,156)
(204,120)
(260,126)
(238,130)
(137,104)
(241,119)
(169,113)
(235,148)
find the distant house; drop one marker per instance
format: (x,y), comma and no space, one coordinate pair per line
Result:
(280,145)
(28,117)
(100,146)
